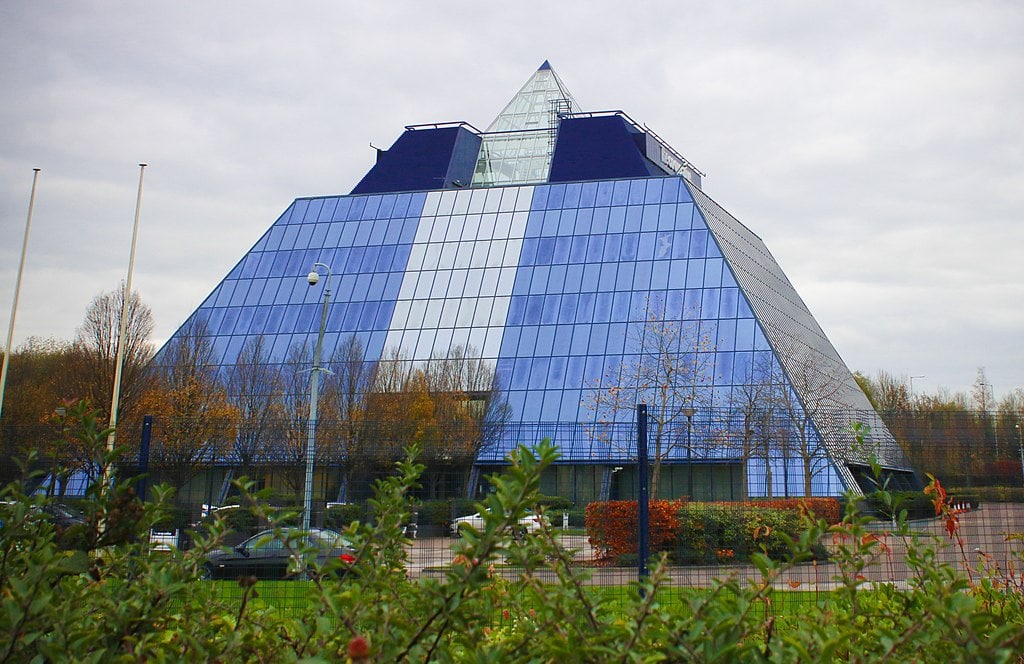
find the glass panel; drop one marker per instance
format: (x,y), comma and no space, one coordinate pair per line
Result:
(598,338)
(542,340)
(649,217)
(467,307)
(562,339)
(556,372)
(499,312)
(580,340)
(520,374)
(534,308)
(745,334)
(695,274)
(538,373)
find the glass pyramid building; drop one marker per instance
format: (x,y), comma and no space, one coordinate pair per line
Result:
(568,250)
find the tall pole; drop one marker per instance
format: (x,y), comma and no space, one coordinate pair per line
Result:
(126,298)
(643,506)
(17,289)
(314,394)
(1020,448)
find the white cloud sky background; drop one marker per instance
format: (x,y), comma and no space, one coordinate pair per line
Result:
(876,147)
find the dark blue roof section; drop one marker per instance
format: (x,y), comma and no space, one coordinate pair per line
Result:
(545,65)
(424,158)
(602,147)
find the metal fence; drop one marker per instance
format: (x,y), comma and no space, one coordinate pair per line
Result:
(985,484)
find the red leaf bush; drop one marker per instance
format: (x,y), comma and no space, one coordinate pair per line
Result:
(612,526)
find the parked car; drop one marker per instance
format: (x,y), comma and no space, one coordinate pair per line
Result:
(529,523)
(241,523)
(69,525)
(281,555)
(62,516)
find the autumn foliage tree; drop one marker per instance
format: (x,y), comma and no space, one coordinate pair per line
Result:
(449,406)
(34,393)
(194,423)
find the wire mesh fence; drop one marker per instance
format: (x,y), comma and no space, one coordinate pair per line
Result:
(718,515)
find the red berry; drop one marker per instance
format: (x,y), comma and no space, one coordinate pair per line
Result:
(358,648)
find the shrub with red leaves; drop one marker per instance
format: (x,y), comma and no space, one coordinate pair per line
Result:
(612,526)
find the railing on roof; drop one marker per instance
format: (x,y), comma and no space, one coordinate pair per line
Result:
(442,125)
(683,161)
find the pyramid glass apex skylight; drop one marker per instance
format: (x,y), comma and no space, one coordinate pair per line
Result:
(537,104)
(519,143)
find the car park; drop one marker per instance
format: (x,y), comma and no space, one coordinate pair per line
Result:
(529,523)
(282,554)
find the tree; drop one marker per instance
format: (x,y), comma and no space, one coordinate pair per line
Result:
(93,358)
(254,393)
(291,452)
(449,406)
(756,402)
(346,391)
(892,392)
(468,406)
(814,394)
(34,392)
(193,421)
(671,372)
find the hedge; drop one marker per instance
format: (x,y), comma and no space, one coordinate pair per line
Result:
(338,517)
(553,504)
(715,533)
(829,509)
(990,494)
(439,512)
(612,526)
(703,533)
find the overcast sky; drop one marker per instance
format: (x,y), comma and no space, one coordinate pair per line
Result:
(876,147)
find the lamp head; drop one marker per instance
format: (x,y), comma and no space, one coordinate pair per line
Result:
(313,278)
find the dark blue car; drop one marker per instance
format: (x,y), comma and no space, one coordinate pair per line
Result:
(283,554)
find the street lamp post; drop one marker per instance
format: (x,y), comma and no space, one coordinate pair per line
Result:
(1020,448)
(689,412)
(314,392)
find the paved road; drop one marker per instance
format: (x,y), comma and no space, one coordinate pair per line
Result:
(434,553)
(983,531)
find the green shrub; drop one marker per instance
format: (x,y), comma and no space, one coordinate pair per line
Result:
(992,494)
(338,517)
(554,504)
(440,512)
(435,513)
(712,533)
(917,504)
(716,533)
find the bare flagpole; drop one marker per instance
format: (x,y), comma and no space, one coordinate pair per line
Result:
(17,289)
(126,299)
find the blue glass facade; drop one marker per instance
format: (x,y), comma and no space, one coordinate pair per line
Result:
(554,284)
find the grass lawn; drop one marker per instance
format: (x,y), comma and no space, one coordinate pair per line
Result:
(293,598)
